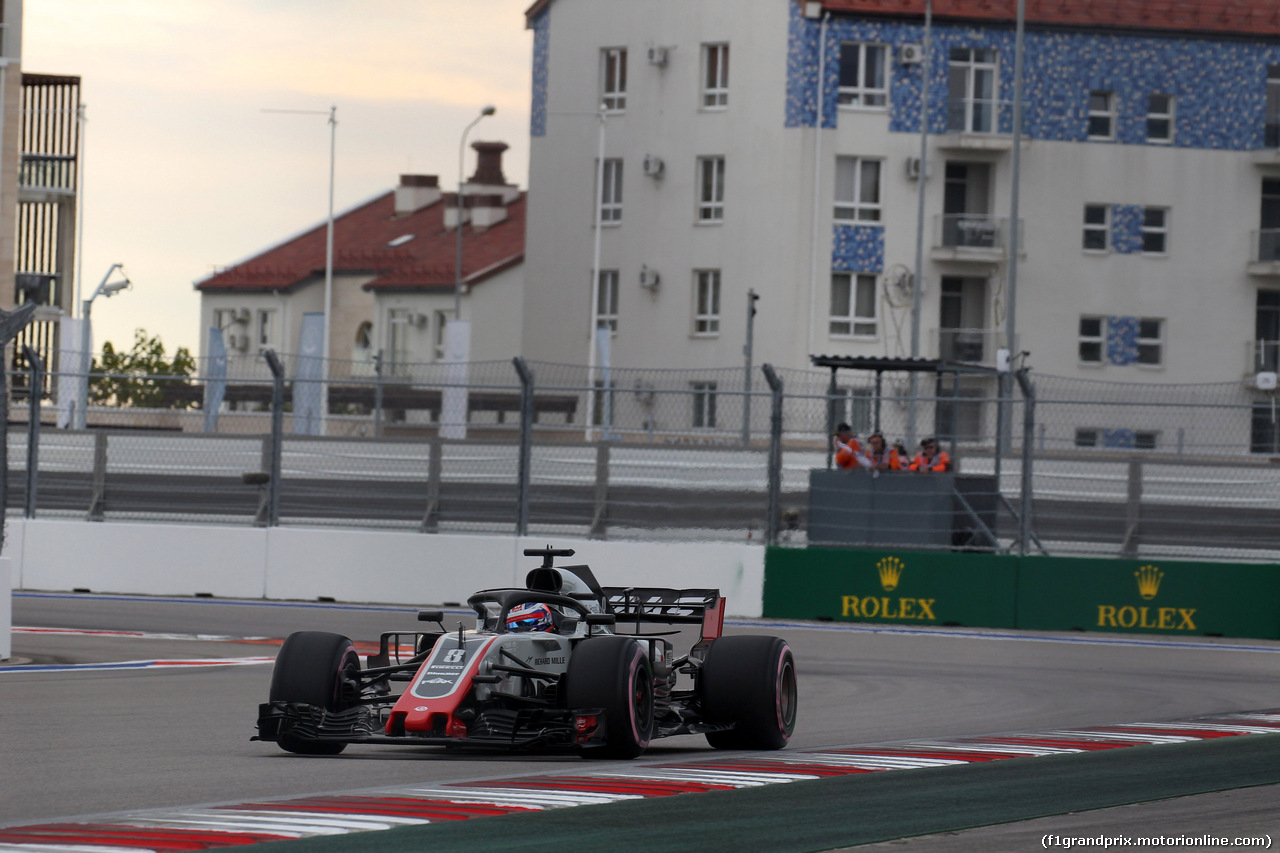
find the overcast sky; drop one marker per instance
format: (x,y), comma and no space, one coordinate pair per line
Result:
(184,172)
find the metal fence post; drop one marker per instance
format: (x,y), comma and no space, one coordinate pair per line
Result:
(1028,440)
(98,500)
(1133,511)
(435,469)
(600,512)
(277,435)
(11,322)
(35,383)
(526,444)
(773,519)
(377,394)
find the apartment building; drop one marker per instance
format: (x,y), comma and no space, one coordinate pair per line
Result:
(775,146)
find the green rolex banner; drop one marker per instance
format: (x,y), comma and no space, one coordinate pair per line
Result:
(895,586)
(1149,596)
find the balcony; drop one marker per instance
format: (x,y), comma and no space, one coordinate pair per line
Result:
(47,177)
(978,124)
(974,237)
(972,346)
(1264,252)
(1261,357)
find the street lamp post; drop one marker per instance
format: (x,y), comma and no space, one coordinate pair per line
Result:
(103,289)
(457,266)
(332,113)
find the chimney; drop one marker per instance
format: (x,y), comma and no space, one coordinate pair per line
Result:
(488,179)
(416,192)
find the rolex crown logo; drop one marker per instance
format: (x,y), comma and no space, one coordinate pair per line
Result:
(1149,578)
(890,571)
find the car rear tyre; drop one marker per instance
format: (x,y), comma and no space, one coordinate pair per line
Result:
(613,673)
(315,668)
(749,682)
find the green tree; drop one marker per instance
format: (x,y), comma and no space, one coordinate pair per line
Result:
(143,376)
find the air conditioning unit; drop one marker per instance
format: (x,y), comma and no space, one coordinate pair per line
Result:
(910,54)
(1265,381)
(913,169)
(658,56)
(242,315)
(649,279)
(239,343)
(653,166)
(418,320)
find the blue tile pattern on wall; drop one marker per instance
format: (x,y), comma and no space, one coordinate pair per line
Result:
(541,53)
(1126,228)
(1118,438)
(1219,85)
(858,248)
(1122,340)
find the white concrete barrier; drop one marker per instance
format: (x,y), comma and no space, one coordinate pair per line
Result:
(6,608)
(389,567)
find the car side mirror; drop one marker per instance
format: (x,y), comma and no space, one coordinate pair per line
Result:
(431,616)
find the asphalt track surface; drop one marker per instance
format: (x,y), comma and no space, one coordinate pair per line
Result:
(80,742)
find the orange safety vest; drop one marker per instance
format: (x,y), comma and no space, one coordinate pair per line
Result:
(847,454)
(888,454)
(941,462)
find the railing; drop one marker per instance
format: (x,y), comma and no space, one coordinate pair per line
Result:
(976,346)
(979,116)
(48,171)
(1266,245)
(1262,356)
(972,231)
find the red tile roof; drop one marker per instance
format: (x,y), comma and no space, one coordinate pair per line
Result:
(360,238)
(1237,17)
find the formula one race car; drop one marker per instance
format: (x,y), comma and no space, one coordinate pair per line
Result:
(550,666)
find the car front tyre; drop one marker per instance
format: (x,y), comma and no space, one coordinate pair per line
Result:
(613,673)
(314,668)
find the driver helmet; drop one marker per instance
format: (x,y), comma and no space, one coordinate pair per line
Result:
(534,616)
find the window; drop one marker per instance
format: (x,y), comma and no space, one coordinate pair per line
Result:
(1160,118)
(607,300)
(1155,230)
(857,190)
(1117,439)
(1091,340)
(266,328)
(971,90)
(398,337)
(1101,115)
(710,189)
(704,404)
(1149,346)
(611,193)
(1097,227)
(715,76)
(1087,438)
(614,88)
(1264,432)
(1144,440)
(1271,132)
(862,75)
(706,309)
(853,305)
(223,317)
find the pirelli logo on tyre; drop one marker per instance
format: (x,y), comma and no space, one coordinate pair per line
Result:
(1147,581)
(889,571)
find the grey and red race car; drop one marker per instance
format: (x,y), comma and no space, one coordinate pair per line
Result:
(562,664)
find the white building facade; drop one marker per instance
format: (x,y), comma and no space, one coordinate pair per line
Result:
(774,146)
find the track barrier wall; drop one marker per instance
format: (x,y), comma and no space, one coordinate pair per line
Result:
(308,564)
(902,586)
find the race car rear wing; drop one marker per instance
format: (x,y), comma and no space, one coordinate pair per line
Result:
(668,606)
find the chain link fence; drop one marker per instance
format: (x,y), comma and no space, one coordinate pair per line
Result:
(1043,464)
